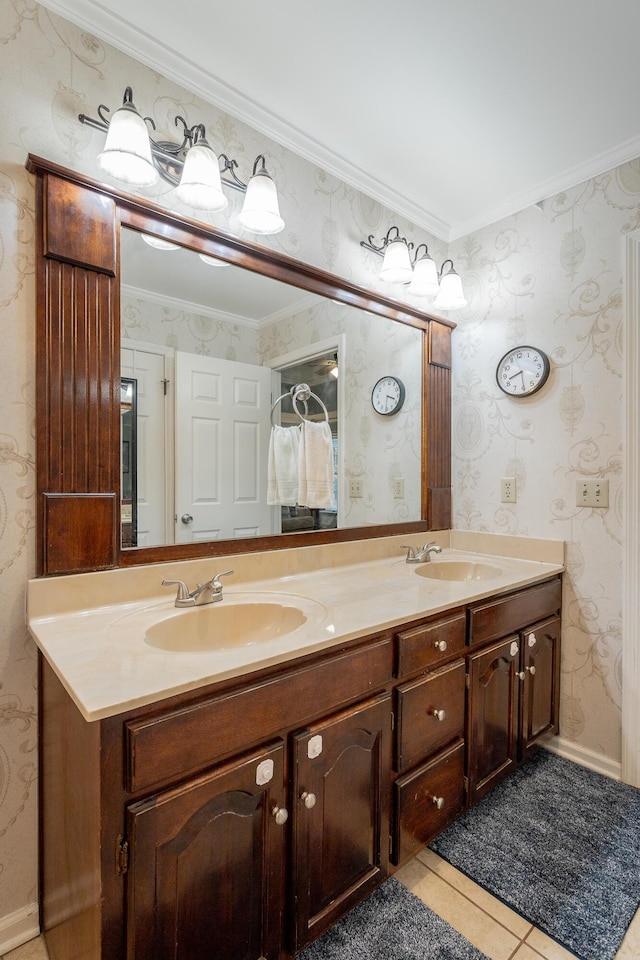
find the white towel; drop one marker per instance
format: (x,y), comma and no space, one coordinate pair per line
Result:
(315,471)
(282,472)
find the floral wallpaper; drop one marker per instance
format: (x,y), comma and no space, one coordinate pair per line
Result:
(551,275)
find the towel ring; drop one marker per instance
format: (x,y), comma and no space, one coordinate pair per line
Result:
(302,392)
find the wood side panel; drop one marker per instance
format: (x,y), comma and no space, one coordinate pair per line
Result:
(437,428)
(78,371)
(79,225)
(80,532)
(70,803)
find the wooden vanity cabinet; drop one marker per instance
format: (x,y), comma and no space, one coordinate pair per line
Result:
(244,818)
(514,686)
(188,828)
(428,790)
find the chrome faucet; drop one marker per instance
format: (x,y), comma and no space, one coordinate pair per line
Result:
(423,555)
(209,592)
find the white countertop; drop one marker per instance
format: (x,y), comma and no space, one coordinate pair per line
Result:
(92,632)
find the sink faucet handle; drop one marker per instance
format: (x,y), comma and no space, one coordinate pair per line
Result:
(183,589)
(215,579)
(410,551)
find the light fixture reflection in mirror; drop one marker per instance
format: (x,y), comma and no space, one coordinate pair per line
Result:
(190,310)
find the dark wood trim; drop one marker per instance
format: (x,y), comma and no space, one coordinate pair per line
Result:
(78,372)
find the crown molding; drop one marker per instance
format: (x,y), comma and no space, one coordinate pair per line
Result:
(567,180)
(141,46)
(144,48)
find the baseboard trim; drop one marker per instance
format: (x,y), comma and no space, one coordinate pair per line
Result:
(587,758)
(19,927)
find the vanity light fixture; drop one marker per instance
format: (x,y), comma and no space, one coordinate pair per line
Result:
(192,167)
(420,272)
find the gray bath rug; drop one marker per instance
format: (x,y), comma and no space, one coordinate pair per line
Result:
(391,924)
(559,844)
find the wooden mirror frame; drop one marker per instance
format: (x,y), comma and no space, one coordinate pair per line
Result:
(78,374)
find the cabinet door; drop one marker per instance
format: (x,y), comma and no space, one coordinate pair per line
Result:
(492,736)
(205,879)
(540,684)
(341,814)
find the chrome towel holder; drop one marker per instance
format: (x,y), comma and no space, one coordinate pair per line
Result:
(301,392)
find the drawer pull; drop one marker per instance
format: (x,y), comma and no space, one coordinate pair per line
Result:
(438,714)
(441,645)
(438,802)
(309,799)
(280,815)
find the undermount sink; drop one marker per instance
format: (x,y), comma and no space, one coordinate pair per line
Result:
(223,625)
(457,570)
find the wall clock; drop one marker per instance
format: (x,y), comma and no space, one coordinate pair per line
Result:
(522,371)
(388,395)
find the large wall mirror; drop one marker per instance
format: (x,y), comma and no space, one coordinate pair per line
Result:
(172,323)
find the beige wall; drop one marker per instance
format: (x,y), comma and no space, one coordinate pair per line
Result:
(551,275)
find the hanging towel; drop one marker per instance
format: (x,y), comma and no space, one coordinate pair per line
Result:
(282,473)
(315,471)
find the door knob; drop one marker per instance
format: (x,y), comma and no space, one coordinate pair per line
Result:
(309,799)
(531,669)
(186,518)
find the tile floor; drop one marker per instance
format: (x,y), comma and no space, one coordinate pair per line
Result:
(492,927)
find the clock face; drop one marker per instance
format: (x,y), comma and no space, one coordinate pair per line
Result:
(522,371)
(387,396)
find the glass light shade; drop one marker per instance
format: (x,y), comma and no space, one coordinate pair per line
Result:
(450,296)
(158,243)
(212,261)
(396,266)
(127,150)
(200,186)
(260,211)
(425,278)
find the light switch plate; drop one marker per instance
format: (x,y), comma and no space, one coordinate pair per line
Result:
(592,493)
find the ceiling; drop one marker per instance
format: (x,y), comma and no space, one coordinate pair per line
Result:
(454,114)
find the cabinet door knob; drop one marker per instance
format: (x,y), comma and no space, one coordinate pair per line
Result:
(438,802)
(532,669)
(520,674)
(441,645)
(280,815)
(438,714)
(309,799)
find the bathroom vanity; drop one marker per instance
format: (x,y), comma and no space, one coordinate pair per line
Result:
(241,817)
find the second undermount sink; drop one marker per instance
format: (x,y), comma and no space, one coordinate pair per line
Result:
(224,625)
(457,570)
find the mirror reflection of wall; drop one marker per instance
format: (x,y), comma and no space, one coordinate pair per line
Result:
(129,430)
(174,303)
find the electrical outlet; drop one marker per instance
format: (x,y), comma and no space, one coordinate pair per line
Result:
(398,488)
(355,488)
(592,493)
(508,489)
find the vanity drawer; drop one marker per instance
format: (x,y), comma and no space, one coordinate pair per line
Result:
(430,644)
(430,714)
(170,745)
(497,618)
(426,801)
